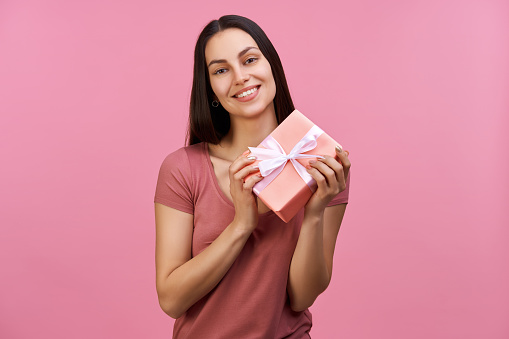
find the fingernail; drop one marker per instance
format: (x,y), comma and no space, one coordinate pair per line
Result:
(245,153)
(252,157)
(338,148)
(255,167)
(312,161)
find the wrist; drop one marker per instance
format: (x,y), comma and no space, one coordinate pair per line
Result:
(313,216)
(241,229)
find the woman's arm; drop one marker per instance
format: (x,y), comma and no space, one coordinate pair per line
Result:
(311,266)
(182,280)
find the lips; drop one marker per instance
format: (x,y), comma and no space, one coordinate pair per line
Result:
(244,90)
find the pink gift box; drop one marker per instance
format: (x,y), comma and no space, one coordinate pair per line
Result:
(288,191)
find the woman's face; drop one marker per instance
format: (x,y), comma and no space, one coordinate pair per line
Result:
(240,76)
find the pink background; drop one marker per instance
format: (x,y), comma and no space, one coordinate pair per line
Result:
(94,94)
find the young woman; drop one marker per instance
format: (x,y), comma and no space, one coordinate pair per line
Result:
(227,266)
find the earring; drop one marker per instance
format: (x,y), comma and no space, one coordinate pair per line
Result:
(215,103)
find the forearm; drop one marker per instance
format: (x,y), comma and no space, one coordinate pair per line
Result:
(194,279)
(308,276)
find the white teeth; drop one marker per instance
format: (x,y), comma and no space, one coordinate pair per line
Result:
(246,93)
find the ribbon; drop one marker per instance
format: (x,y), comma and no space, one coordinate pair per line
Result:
(273,158)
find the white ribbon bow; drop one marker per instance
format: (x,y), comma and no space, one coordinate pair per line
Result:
(273,158)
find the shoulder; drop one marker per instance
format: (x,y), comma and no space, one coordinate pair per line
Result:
(178,174)
(184,164)
(186,152)
(183,156)
(176,181)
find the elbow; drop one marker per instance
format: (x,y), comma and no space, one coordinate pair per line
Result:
(169,301)
(300,303)
(170,307)
(301,307)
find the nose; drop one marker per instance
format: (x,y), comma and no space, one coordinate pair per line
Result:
(241,76)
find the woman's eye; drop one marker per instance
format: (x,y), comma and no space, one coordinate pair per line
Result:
(251,60)
(220,71)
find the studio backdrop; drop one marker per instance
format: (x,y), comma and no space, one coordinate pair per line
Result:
(95,94)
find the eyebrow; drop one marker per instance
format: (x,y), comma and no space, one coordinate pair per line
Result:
(221,61)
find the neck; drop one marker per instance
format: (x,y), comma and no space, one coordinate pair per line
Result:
(250,132)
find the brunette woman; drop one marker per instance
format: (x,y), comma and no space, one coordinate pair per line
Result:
(227,266)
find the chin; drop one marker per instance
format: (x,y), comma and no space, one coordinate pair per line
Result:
(254,111)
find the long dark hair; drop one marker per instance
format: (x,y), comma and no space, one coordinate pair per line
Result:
(208,123)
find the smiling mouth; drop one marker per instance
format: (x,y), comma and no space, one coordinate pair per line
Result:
(246,93)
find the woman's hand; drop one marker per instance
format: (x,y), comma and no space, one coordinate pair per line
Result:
(330,175)
(245,202)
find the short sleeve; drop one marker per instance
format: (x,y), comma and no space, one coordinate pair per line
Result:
(342,197)
(174,183)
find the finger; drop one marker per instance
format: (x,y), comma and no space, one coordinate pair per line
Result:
(252,180)
(244,172)
(343,158)
(319,178)
(244,155)
(240,163)
(326,171)
(335,165)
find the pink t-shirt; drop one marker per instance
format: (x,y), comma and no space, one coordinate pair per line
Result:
(251,300)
